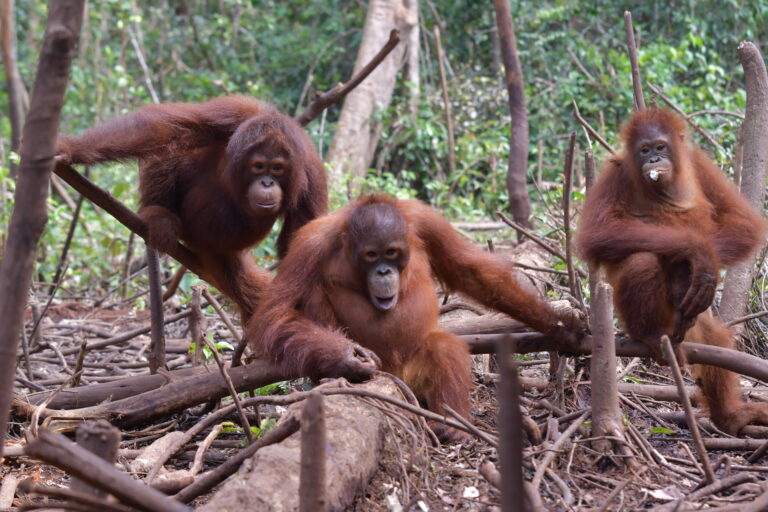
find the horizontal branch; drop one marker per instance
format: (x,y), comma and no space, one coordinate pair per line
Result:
(122,213)
(696,353)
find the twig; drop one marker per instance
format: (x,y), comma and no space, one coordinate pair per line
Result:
(56,450)
(143,65)
(537,240)
(209,480)
(476,431)
(156,357)
(196,326)
(123,214)
(637,85)
(446,103)
(721,485)
(68,242)
(583,122)
(745,318)
(666,345)
(567,185)
(222,314)
(232,389)
(553,450)
(737,115)
(197,463)
(312,490)
(328,98)
(79,364)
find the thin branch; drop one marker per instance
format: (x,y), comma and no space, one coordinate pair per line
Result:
(567,185)
(590,130)
(637,84)
(328,98)
(693,426)
(123,214)
(537,240)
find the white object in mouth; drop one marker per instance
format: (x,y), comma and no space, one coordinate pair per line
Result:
(654,175)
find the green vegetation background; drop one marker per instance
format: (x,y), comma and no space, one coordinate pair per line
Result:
(198,49)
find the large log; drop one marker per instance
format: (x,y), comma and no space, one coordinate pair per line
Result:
(270,481)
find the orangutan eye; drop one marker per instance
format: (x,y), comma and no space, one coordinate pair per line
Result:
(370,256)
(660,147)
(644,151)
(277,170)
(391,253)
(258,167)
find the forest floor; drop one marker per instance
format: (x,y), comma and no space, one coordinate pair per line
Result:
(413,475)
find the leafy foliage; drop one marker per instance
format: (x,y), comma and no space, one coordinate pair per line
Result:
(285,51)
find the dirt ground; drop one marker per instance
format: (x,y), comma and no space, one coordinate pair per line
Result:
(414,475)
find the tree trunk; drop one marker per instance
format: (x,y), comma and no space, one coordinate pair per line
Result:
(355,139)
(412,61)
(735,297)
(29,214)
(519,203)
(18,101)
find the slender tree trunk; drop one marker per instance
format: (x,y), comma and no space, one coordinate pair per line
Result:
(356,136)
(29,213)
(519,202)
(738,281)
(18,100)
(412,61)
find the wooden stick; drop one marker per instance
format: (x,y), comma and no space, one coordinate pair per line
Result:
(122,213)
(510,432)
(58,451)
(328,98)
(313,457)
(156,357)
(583,122)
(101,439)
(446,103)
(666,346)
(232,390)
(567,186)
(637,84)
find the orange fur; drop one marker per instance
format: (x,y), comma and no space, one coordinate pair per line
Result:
(193,176)
(657,249)
(317,306)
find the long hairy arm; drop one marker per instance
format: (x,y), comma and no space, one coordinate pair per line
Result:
(282,330)
(159,129)
(740,228)
(608,234)
(463,267)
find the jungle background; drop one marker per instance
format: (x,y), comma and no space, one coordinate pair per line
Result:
(436,126)
(283,52)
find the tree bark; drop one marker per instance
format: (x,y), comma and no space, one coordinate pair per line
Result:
(519,202)
(18,100)
(355,139)
(606,415)
(29,214)
(738,281)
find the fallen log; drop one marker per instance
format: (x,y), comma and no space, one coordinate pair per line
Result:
(86,396)
(169,399)
(270,481)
